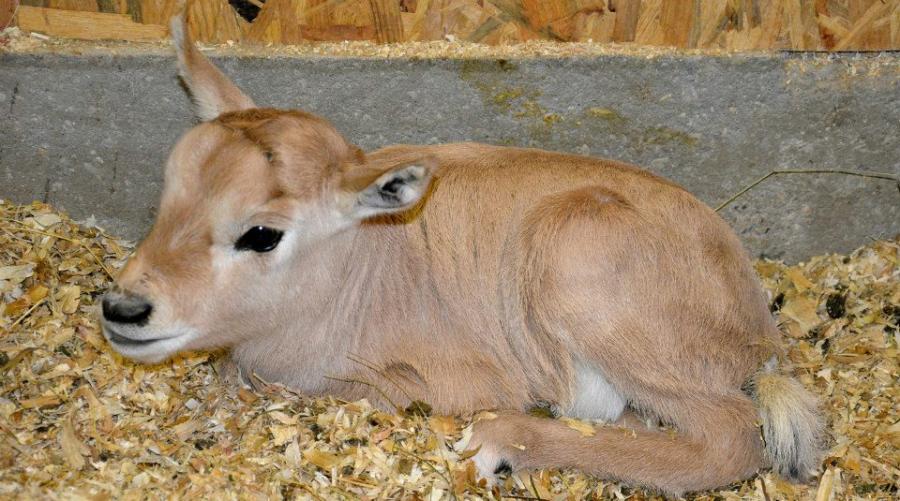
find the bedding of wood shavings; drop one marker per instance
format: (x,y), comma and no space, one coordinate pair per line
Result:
(15,40)
(78,421)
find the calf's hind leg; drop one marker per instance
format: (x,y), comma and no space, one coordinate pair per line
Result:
(720,446)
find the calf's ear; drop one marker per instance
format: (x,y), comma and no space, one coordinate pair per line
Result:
(212,92)
(371,191)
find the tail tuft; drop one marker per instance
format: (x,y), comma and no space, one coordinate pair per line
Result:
(792,425)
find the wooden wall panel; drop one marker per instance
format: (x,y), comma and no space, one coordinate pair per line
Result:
(739,25)
(86,25)
(386,17)
(627,12)
(7,9)
(214,21)
(159,11)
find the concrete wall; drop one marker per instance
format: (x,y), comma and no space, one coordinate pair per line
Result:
(89,134)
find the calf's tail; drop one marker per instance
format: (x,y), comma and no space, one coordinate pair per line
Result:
(791,422)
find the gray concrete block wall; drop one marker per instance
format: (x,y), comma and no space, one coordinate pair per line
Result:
(90,134)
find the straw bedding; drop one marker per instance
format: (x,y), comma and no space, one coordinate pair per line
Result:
(79,422)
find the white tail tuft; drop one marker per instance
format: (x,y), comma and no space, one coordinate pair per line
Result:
(791,422)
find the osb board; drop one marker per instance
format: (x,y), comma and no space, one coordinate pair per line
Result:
(15,41)
(735,25)
(78,421)
(86,25)
(7,9)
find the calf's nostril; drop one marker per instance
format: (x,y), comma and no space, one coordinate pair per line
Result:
(128,309)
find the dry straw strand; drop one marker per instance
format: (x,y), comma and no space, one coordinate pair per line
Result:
(754,184)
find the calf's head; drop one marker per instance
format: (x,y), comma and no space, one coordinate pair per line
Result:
(248,194)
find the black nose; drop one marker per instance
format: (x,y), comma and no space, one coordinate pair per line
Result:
(126,308)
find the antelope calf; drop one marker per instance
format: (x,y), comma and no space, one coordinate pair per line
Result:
(471,277)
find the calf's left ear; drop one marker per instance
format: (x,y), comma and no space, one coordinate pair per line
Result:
(212,92)
(384,192)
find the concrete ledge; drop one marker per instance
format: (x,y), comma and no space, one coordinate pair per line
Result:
(90,133)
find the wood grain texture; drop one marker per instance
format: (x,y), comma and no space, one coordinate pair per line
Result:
(738,25)
(86,25)
(627,12)
(277,23)
(7,9)
(868,28)
(83,5)
(214,21)
(160,11)
(388,25)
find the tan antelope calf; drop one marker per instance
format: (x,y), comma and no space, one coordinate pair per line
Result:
(471,277)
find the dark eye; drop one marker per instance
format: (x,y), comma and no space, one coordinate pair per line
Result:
(259,239)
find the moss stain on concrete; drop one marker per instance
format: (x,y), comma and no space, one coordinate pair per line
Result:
(664,135)
(604,114)
(610,121)
(520,101)
(504,98)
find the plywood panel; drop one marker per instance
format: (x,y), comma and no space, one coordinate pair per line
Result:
(86,25)
(7,8)
(386,16)
(709,24)
(214,21)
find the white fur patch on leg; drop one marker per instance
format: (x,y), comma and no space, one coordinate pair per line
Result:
(595,397)
(489,462)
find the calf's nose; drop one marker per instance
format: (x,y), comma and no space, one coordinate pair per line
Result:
(126,308)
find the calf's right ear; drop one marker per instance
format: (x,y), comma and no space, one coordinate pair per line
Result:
(371,192)
(212,92)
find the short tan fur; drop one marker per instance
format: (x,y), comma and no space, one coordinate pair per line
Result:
(472,277)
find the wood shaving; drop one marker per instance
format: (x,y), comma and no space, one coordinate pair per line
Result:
(17,41)
(79,421)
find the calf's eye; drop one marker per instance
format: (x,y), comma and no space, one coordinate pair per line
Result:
(259,239)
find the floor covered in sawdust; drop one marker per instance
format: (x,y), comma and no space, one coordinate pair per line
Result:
(78,421)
